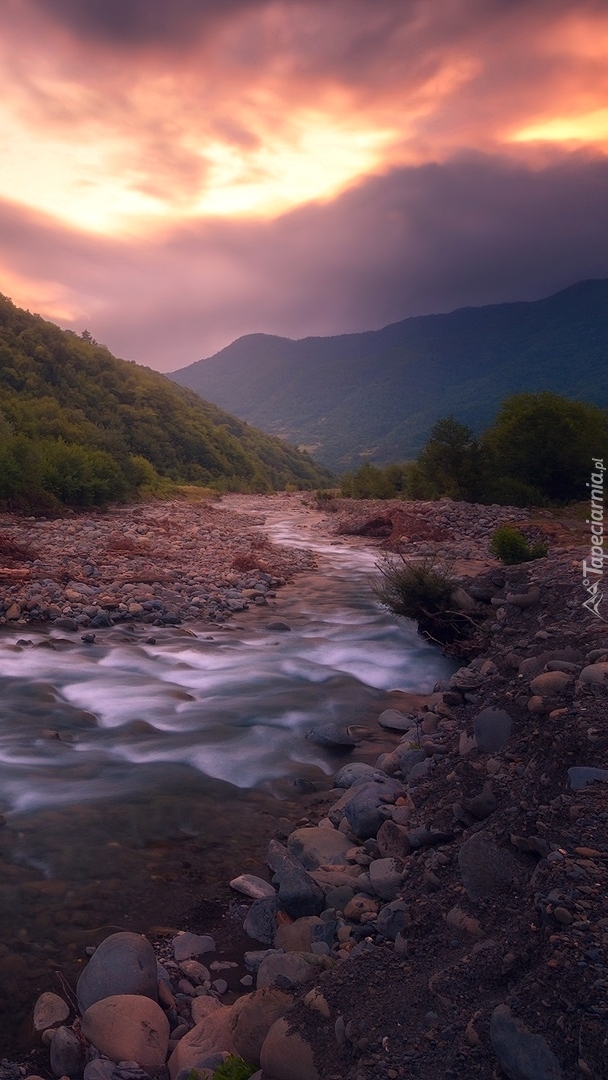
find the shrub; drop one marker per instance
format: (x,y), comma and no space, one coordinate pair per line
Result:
(422,591)
(234,1068)
(510,546)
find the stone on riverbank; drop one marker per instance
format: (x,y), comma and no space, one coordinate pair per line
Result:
(522,1055)
(286,1055)
(123,963)
(316,847)
(128,1027)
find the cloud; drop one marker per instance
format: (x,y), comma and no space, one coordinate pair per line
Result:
(418,240)
(174,175)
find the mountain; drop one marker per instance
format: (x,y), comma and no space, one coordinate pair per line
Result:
(375,395)
(70,410)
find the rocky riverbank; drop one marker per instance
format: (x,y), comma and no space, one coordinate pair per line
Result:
(440,911)
(157,563)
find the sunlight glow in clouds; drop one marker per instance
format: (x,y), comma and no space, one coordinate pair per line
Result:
(591,128)
(208,164)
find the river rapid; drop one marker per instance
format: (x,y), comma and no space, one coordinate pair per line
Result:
(139,773)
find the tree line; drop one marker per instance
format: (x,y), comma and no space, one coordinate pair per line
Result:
(537,452)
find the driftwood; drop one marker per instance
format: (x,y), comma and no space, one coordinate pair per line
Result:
(6,572)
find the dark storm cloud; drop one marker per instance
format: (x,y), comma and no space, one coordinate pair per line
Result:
(417,241)
(138,22)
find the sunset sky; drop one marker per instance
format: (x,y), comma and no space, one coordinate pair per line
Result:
(176,174)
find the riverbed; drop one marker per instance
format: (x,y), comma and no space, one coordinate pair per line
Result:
(141,771)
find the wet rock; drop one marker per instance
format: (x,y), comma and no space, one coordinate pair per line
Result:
(522,1055)
(123,963)
(332,735)
(492,728)
(393,720)
(277,626)
(128,1027)
(354,772)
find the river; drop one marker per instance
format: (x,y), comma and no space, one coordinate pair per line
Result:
(141,772)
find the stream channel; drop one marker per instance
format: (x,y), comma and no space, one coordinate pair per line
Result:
(137,778)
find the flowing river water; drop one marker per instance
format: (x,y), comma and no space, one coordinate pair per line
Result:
(137,775)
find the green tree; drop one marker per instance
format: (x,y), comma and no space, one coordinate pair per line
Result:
(451,463)
(544,444)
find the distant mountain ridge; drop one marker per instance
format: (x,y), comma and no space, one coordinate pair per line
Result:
(375,395)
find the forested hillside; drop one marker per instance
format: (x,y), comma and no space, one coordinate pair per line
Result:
(375,396)
(80,426)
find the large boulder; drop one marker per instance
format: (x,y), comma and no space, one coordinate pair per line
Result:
(211,1035)
(124,963)
(128,1027)
(251,1018)
(316,847)
(286,1054)
(522,1055)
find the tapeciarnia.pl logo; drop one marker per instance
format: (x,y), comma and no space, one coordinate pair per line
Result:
(593,571)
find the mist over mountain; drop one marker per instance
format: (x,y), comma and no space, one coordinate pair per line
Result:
(376,395)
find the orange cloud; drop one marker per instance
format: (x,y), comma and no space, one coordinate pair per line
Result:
(280,105)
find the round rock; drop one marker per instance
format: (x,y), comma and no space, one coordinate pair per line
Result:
(124,963)
(128,1027)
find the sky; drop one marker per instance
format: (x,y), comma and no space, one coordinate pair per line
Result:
(174,175)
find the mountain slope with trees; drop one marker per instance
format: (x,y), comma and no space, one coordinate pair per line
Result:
(376,395)
(79,426)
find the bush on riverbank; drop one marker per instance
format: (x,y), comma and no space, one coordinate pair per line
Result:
(511,547)
(422,591)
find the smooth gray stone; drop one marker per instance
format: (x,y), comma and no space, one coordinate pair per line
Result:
(67,1053)
(366,811)
(392,919)
(332,735)
(522,1055)
(261,921)
(354,772)
(492,728)
(581,775)
(189,945)
(299,894)
(124,963)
